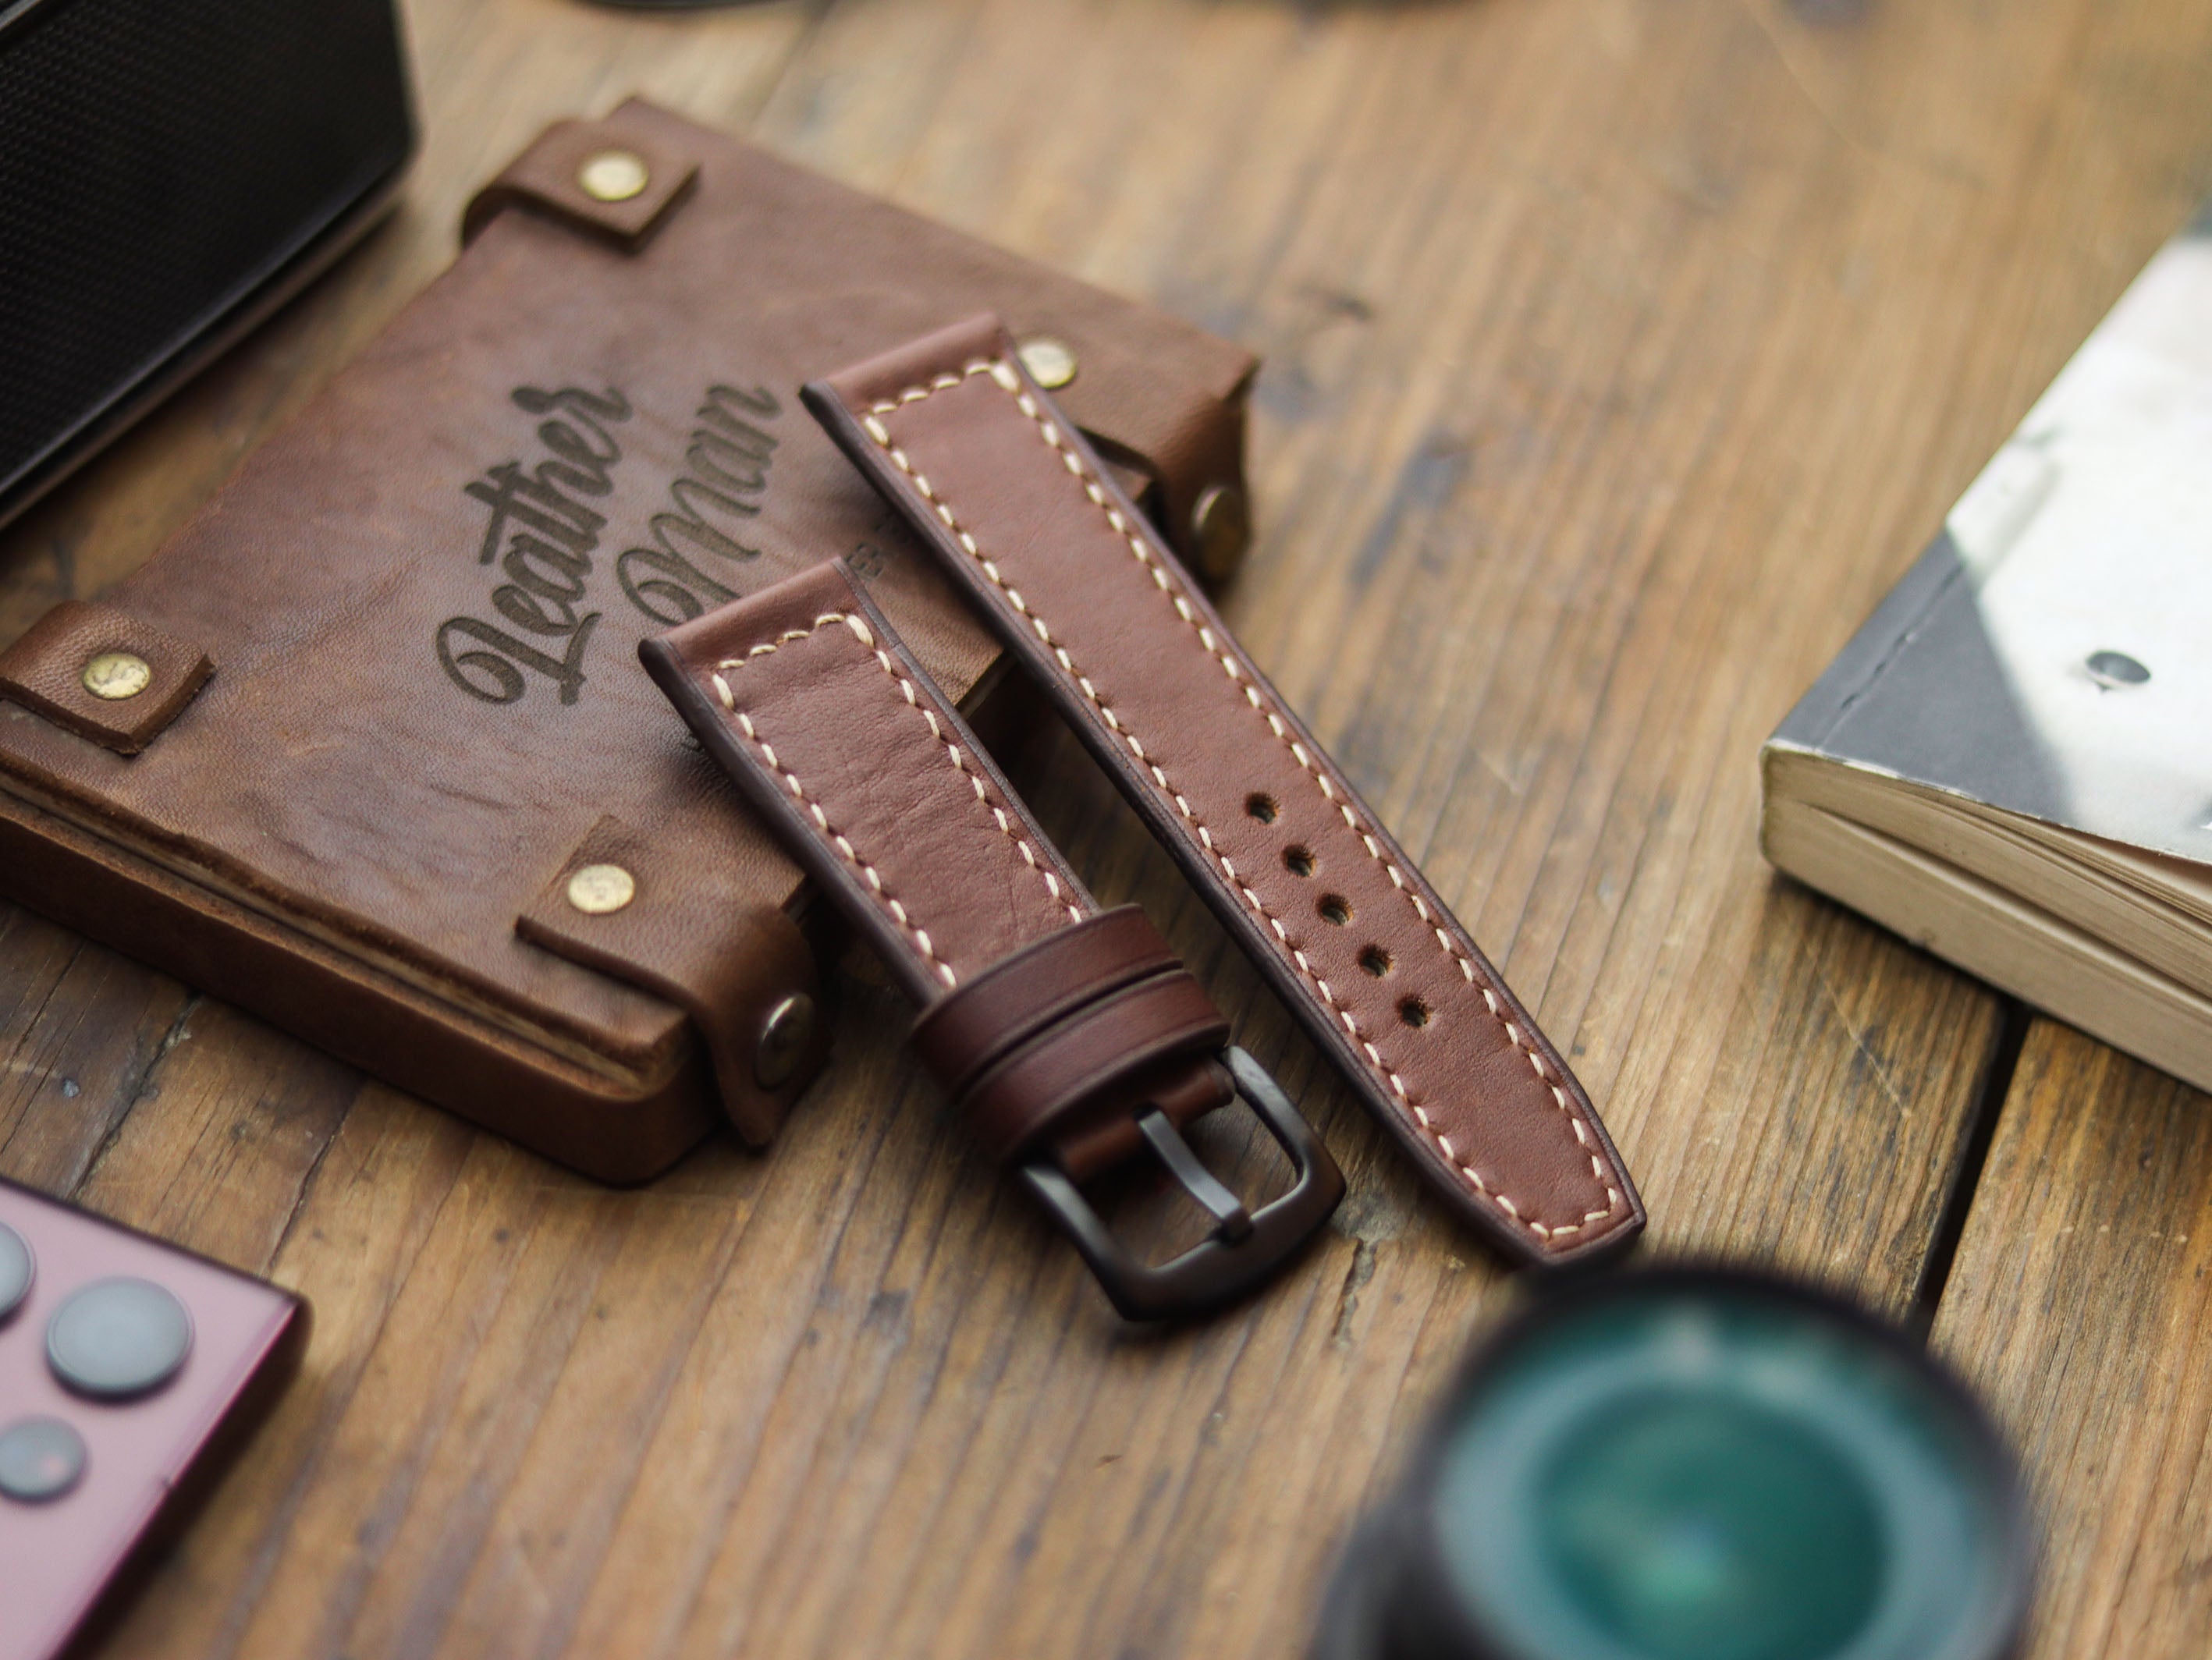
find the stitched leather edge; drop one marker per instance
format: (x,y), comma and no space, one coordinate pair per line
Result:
(1623,1209)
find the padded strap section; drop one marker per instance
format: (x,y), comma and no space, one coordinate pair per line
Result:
(103,673)
(857,760)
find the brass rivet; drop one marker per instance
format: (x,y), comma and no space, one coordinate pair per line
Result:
(1221,529)
(116,675)
(786,1036)
(1049,362)
(599,890)
(613,176)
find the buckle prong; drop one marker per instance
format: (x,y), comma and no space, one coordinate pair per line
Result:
(1201,1184)
(1245,1249)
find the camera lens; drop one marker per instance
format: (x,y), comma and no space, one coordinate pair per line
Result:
(1696,1465)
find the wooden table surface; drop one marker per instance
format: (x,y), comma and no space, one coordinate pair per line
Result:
(1620,354)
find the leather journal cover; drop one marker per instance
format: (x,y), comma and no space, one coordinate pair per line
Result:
(367,749)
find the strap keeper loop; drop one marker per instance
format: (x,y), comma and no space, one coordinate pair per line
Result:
(1059,1045)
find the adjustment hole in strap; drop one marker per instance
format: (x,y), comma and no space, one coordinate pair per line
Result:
(1298,861)
(1375,960)
(1413,1012)
(1334,908)
(1261,806)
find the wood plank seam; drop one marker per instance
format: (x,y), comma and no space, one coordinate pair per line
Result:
(139,1086)
(1974,1157)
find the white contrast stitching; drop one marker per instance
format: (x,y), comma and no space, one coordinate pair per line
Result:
(858,627)
(1002,376)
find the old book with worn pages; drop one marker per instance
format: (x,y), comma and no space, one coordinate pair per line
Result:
(2011,764)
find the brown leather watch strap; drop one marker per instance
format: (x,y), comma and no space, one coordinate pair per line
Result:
(1069,1038)
(1020,512)
(813,705)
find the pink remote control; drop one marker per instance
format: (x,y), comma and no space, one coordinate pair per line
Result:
(128,1368)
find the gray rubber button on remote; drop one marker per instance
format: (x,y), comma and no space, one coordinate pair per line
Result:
(118,1337)
(41,1458)
(14,1271)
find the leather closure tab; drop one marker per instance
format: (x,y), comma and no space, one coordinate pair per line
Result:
(103,673)
(686,931)
(600,176)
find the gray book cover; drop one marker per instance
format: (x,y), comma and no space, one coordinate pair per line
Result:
(2050,653)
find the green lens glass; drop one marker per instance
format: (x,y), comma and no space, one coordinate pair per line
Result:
(1720,1472)
(1695,1529)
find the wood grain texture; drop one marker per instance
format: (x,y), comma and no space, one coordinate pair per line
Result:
(1620,352)
(2078,1305)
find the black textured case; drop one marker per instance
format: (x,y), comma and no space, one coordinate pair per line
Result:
(169,171)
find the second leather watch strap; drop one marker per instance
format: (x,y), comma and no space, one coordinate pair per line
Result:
(1023,515)
(1070,1039)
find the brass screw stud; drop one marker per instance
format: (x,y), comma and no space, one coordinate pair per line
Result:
(599,890)
(613,176)
(115,676)
(1220,530)
(785,1035)
(1049,362)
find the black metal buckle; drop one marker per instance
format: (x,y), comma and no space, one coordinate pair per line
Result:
(1245,1248)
